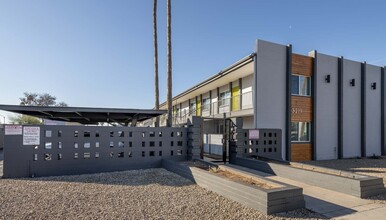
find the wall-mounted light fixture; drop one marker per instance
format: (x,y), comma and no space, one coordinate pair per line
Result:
(374,85)
(327,78)
(352,82)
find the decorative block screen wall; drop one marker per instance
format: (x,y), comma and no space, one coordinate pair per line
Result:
(268,145)
(89,149)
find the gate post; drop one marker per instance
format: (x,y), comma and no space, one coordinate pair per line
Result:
(195,139)
(239,139)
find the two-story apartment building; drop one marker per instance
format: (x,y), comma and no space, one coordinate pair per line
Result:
(327,107)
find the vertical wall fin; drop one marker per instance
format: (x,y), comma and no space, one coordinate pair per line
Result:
(240,93)
(218,101)
(314,109)
(210,103)
(383,111)
(180,113)
(340,107)
(201,105)
(231,99)
(288,103)
(254,95)
(363,109)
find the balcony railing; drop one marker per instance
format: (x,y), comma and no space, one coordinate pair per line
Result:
(218,107)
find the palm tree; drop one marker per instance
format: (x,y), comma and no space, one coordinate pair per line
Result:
(156,89)
(169,62)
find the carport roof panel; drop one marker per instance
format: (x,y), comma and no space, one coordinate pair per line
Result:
(84,115)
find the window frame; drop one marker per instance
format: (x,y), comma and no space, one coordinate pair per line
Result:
(299,134)
(205,106)
(300,87)
(223,97)
(192,108)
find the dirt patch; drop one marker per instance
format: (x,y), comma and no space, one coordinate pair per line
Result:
(231,175)
(239,178)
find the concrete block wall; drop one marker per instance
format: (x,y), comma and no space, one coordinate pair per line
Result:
(1,137)
(268,201)
(67,150)
(195,138)
(359,185)
(268,145)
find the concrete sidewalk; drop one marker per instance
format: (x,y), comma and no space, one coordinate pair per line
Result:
(330,203)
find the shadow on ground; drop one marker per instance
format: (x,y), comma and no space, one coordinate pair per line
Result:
(143,177)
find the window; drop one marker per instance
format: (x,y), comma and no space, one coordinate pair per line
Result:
(176,111)
(224,98)
(206,104)
(301,85)
(300,132)
(192,108)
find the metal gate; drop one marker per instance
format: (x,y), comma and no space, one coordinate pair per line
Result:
(217,135)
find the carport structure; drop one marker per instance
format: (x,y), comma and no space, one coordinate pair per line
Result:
(86,115)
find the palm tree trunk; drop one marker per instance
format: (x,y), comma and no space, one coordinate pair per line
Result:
(169,63)
(156,89)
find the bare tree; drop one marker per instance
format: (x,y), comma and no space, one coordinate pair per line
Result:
(44,99)
(169,62)
(156,89)
(34,99)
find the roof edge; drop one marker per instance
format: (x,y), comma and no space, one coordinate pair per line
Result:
(220,74)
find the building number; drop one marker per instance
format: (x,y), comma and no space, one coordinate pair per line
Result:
(297,110)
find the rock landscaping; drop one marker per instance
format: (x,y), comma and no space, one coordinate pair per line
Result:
(139,194)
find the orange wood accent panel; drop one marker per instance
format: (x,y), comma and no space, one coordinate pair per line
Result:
(301,152)
(302,65)
(301,109)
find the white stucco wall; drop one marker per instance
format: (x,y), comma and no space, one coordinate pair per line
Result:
(351,109)
(373,111)
(326,108)
(271,87)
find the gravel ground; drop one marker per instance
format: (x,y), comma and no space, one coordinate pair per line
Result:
(140,194)
(367,166)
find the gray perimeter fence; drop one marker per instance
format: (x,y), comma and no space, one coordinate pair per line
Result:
(268,144)
(51,150)
(66,150)
(1,137)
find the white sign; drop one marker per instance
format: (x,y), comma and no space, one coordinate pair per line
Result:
(31,135)
(254,134)
(13,130)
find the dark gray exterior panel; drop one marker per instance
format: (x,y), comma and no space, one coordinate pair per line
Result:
(340,107)
(363,110)
(288,103)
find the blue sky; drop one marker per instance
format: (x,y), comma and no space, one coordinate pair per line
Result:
(100,53)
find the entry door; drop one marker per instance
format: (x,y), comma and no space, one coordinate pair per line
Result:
(235,98)
(198,107)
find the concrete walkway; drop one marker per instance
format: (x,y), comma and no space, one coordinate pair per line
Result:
(329,203)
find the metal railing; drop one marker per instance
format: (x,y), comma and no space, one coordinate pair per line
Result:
(218,107)
(215,108)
